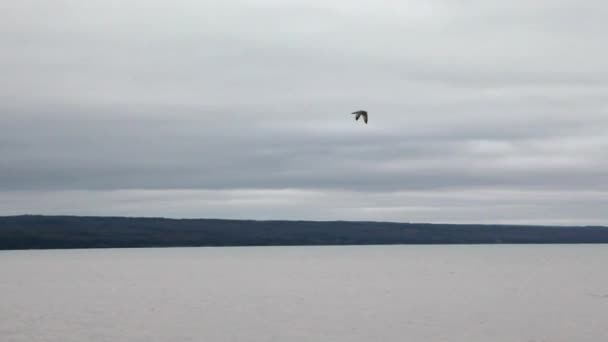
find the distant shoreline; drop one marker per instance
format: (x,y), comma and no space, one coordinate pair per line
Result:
(70,232)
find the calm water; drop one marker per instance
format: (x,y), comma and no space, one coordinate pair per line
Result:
(372,293)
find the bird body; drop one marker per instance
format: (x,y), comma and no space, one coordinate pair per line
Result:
(360,113)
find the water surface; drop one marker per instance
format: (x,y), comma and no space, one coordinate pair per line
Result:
(458,293)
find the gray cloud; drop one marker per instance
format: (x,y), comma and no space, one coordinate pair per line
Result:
(220,97)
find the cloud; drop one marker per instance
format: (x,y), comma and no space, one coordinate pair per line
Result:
(489,205)
(121,97)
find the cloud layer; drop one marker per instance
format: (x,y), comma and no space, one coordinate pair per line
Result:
(186,102)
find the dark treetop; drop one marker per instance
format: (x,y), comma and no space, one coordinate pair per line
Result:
(32,232)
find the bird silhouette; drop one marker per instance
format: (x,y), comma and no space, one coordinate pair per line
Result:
(361,113)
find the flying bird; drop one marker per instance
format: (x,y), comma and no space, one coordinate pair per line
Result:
(359,114)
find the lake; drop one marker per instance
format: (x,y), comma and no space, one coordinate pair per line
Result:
(456,293)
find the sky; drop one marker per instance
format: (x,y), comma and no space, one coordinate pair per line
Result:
(480,111)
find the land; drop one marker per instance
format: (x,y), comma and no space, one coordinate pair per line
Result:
(52,232)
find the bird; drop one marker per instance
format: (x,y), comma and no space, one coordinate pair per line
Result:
(360,113)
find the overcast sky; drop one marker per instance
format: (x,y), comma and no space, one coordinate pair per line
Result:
(486,111)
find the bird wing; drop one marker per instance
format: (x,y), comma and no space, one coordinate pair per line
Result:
(358,115)
(365,117)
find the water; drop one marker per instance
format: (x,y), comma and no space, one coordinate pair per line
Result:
(372,293)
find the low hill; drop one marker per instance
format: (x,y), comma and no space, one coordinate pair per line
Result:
(48,232)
